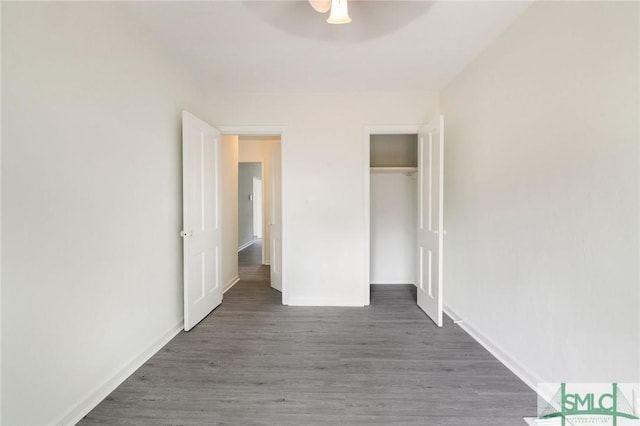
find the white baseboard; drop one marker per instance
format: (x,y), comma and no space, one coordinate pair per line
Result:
(390,283)
(230,284)
(525,374)
(245,245)
(75,414)
(312,301)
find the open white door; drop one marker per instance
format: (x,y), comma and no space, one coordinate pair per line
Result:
(201,219)
(430,213)
(275,220)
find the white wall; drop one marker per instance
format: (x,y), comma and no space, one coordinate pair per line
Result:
(91,196)
(246,173)
(541,193)
(258,150)
(393,227)
(229,209)
(323,171)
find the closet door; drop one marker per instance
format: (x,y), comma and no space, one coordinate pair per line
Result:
(430,213)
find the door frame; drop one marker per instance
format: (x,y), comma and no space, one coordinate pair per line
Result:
(271,131)
(409,129)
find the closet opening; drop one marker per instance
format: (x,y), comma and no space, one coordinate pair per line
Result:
(393,189)
(404,200)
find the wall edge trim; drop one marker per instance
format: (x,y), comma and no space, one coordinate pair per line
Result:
(245,245)
(527,376)
(233,281)
(84,407)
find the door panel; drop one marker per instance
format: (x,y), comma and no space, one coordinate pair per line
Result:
(275,219)
(430,224)
(201,219)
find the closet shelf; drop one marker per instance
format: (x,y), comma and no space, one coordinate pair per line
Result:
(393,169)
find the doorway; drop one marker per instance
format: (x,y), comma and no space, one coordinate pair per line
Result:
(262,239)
(251,253)
(390,154)
(393,207)
(393,215)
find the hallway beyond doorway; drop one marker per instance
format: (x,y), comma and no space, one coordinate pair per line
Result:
(250,267)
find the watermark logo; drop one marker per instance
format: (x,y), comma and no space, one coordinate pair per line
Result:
(593,404)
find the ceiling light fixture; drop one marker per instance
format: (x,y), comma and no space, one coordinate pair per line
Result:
(339,10)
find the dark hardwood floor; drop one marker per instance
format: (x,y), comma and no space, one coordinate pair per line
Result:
(250,267)
(255,362)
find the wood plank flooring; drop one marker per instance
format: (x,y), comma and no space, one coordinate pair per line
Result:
(255,362)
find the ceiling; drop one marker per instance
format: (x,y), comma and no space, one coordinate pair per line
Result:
(285,46)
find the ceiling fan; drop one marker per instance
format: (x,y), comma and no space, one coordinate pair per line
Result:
(373,19)
(339,10)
